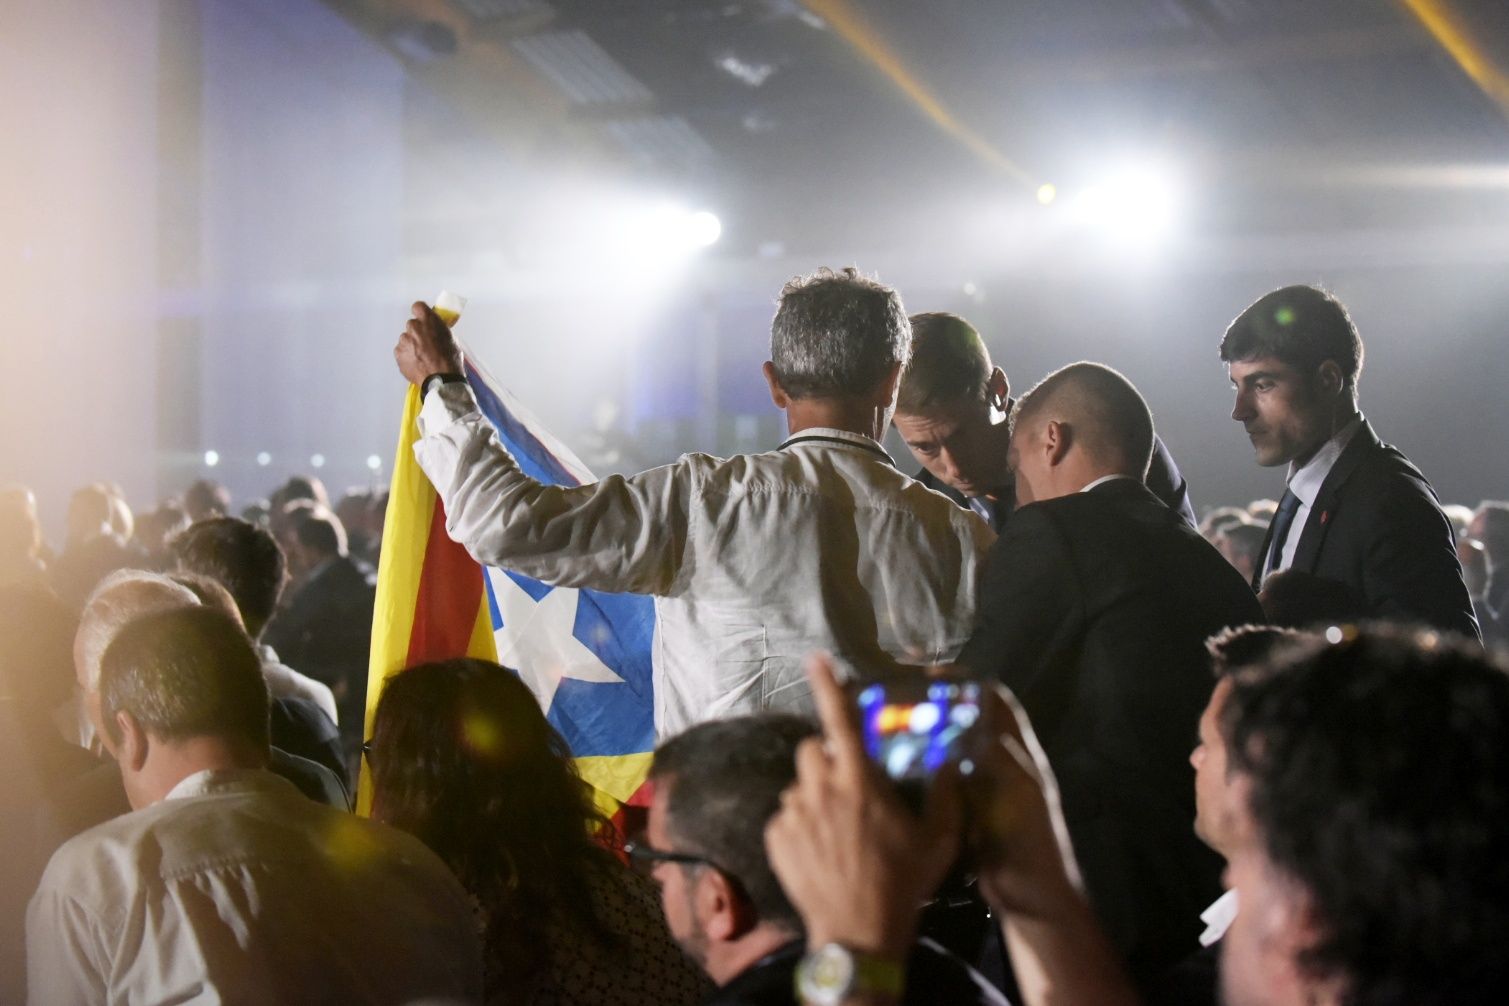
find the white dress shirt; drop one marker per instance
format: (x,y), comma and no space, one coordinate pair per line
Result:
(237,889)
(1305,482)
(754,561)
(1219,917)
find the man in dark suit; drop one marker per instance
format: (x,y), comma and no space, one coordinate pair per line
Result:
(325,630)
(1355,512)
(951,413)
(1095,608)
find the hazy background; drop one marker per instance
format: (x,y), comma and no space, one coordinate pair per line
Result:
(215,213)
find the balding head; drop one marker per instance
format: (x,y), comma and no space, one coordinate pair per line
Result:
(122,596)
(1079,424)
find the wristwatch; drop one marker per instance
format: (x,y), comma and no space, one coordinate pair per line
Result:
(832,973)
(444,377)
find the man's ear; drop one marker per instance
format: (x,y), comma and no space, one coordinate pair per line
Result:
(887,390)
(997,389)
(777,393)
(725,913)
(131,742)
(1329,377)
(1058,437)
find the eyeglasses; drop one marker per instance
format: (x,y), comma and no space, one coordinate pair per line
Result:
(643,857)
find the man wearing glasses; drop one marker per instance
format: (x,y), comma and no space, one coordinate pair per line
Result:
(716,786)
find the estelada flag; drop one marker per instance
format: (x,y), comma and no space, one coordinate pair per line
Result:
(585,654)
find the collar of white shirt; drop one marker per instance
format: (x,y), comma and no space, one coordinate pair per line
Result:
(1218,917)
(822,433)
(1104,479)
(1305,482)
(223,780)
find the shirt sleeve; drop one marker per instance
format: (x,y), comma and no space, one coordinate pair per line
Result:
(65,962)
(619,534)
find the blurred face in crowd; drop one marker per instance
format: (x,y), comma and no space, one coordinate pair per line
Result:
(677,882)
(1213,813)
(958,444)
(1029,461)
(1287,413)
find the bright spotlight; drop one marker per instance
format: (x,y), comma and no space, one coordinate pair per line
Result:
(1138,202)
(1046,193)
(211,458)
(374,462)
(264,459)
(703,229)
(317,460)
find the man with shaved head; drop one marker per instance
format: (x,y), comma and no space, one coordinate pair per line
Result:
(1095,609)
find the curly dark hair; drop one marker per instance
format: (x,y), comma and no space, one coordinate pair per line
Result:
(1380,782)
(463,758)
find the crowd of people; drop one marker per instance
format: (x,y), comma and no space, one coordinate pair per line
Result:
(1260,756)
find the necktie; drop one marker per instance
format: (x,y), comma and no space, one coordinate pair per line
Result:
(1281,521)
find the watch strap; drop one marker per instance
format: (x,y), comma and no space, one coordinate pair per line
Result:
(445,377)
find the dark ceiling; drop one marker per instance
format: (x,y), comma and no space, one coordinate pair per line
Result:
(843,123)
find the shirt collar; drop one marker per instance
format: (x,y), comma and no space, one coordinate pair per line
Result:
(1104,479)
(1218,917)
(821,434)
(221,781)
(1305,481)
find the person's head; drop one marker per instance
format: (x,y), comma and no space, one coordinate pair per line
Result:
(715,788)
(1294,357)
(1490,525)
(1078,424)
(838,336)
(314,535)
(1232,651)
(1474,559)
(1459,516)
(463,758)
(211,593)
(156,527)
(120,598)
(1242,545)
(205,499)
(1372,779)
(945,409)
(243,557)
(300,487)
(180,692)
(90,514)
(20,530)
(1220,518)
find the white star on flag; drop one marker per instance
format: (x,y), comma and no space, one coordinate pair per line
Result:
(538,641)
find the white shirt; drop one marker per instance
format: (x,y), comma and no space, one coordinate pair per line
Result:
(1219,917)
(237,889)
(285,682)
(754,561)
(1109,478)
(1305,482)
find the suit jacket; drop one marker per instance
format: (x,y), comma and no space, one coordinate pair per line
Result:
(1163,478)
(1376,527)
(1095,609)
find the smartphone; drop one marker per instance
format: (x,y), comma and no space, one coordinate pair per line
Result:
(913,726)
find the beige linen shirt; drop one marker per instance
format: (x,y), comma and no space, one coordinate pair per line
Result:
(238,889)
(754,561)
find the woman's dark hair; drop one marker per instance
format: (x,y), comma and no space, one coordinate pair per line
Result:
(463,758)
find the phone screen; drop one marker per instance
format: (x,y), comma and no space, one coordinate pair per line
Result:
(912,729)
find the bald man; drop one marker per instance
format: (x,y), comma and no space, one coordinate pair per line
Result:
(1095,609)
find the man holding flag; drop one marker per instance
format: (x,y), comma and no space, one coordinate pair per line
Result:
(753,561)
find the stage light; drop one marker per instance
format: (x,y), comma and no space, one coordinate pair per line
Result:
(264,459)
(1046,193)
(1137,202)
(317,460)
(703,229)
(374,462)
(211,458)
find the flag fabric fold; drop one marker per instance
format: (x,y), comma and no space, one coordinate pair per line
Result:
(586,655)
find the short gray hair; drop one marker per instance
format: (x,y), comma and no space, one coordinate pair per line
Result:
(837,334)
(120,598)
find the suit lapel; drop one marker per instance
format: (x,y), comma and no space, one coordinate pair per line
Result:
(1323,511)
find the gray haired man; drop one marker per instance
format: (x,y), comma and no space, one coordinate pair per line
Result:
(753,561)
